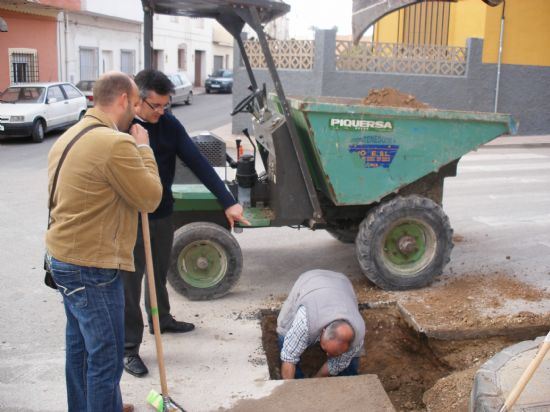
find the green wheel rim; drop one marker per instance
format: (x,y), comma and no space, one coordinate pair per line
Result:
(409,246)
(202,264)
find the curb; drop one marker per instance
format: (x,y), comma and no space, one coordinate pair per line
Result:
(487,394)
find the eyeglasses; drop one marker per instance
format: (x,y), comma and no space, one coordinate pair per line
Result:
(157,107)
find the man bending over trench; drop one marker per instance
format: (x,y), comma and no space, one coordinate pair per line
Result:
(321,307)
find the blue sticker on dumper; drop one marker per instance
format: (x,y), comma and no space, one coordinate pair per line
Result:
(375,155)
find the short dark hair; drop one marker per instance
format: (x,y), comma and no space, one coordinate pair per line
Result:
(111,85)
(151,80)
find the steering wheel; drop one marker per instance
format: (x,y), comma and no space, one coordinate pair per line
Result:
(246,103)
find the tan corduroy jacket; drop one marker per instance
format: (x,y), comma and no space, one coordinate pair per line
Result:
(103,183)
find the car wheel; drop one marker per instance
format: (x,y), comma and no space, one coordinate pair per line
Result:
(207,91)
(38,131)
(189,98)
(81,115)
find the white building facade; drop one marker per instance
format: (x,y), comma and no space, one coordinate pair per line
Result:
(108,35)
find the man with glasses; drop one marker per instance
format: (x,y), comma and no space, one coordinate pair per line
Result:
(169,140)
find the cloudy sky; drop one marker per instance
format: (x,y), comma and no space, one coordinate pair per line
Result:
(323,14)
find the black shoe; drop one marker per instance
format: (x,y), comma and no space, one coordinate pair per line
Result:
(135,366)
(173,327)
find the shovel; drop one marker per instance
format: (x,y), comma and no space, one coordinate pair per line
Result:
(526,376)
(167,404)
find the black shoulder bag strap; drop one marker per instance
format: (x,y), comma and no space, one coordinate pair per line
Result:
(48,279)
(61,159)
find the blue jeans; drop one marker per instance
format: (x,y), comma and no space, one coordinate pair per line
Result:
(351,370)
(94,305)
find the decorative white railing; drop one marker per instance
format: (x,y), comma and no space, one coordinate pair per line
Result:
(401,58)
(288,54)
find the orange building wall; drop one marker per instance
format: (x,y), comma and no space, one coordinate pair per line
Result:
(33,32)
(68,5)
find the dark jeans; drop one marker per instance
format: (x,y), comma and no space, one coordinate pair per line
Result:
(94,305)
(351,370)
(162,235)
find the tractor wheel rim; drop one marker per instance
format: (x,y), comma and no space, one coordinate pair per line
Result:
(409,246)
(202,264)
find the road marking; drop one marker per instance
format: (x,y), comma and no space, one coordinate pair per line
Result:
(496,181)
(511,222)
(511,156)
(533,197)
(504,168)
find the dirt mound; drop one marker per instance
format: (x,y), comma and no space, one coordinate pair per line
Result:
(392,97)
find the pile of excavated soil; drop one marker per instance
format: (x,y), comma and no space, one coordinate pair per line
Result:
(392,97)
(467,321)
(417,373)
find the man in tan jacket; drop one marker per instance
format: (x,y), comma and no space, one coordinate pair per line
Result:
(105,179)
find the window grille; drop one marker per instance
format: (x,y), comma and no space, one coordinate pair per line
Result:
(425,23)
(23,65)
(127,62)
(89,63)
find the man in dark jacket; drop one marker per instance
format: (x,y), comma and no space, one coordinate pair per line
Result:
(168,139)
(321,308)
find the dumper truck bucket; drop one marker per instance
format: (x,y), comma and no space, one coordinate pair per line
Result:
(366,12)
(359,154)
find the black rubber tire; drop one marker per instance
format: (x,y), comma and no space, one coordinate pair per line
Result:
(38,131)
(344,235)
(208,236)
(81,115)
(189,100)
(371,243)
(207,91)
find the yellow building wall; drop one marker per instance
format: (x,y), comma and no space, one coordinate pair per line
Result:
(386,30)
(526,33)
(467,19)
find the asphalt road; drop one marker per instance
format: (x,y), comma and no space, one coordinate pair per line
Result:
(499,203)
(208,112)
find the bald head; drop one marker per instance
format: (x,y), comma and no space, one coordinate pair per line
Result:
(337,337)
(110,86)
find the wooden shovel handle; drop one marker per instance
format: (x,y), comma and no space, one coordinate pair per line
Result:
(526,376)
(153,300)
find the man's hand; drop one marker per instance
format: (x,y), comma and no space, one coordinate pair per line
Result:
(140,134)
(323,372)
(288,370)
(235,214)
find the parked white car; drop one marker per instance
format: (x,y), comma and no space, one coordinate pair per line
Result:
(32,109)
(183,89)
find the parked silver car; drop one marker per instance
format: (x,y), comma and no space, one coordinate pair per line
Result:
(183,88)
(31,109)
(87,88)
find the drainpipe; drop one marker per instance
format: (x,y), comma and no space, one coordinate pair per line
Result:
(66,24)
(499,65)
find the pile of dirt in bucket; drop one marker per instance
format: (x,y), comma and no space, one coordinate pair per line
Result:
(392,97)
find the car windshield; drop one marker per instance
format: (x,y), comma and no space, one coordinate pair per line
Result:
(223,73)
(23,94)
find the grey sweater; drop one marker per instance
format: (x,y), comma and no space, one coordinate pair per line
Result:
(327,296)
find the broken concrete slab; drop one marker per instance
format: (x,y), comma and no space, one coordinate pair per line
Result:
(346,393)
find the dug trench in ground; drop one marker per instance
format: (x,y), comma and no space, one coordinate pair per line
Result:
(417,372)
